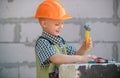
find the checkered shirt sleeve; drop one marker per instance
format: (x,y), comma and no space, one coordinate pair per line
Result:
(70,49)
(44,51)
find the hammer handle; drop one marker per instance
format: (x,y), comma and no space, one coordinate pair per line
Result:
(87,39)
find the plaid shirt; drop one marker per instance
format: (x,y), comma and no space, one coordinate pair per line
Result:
(44,50)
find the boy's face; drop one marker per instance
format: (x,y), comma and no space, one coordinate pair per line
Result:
(52,26)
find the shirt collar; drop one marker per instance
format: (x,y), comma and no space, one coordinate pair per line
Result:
(54,39)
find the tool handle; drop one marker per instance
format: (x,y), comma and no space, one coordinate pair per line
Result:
(87,39)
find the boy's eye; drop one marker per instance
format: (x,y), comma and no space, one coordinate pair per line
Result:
(57,24)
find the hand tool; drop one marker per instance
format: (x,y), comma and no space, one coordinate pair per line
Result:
(87,35)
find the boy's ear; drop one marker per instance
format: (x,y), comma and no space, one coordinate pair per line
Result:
(43,23)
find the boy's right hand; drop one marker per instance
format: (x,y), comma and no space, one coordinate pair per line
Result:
(87,58)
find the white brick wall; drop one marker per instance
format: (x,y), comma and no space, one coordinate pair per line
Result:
(16,53)
(102,50)
(105,32)
(87,8)
(70,32)
(21,72)
(119,50)
(119,8)
(6,32)
(30,31)
(19,30)
(18,8)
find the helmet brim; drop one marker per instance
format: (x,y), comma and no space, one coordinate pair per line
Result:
(65,17)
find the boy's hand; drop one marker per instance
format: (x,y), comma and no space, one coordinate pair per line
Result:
(87,58)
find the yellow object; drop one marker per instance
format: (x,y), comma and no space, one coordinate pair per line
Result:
(51,9)
(87,38)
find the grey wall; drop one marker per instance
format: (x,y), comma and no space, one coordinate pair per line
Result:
(19,30)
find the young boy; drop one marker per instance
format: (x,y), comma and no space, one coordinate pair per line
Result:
(51,49)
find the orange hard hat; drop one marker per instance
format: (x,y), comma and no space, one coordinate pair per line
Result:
(51,9)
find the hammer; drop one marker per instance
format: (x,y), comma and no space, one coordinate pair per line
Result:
(87,33)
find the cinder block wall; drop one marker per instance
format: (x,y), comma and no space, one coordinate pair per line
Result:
(19,30)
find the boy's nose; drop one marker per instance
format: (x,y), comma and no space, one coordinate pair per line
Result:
(61,26)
